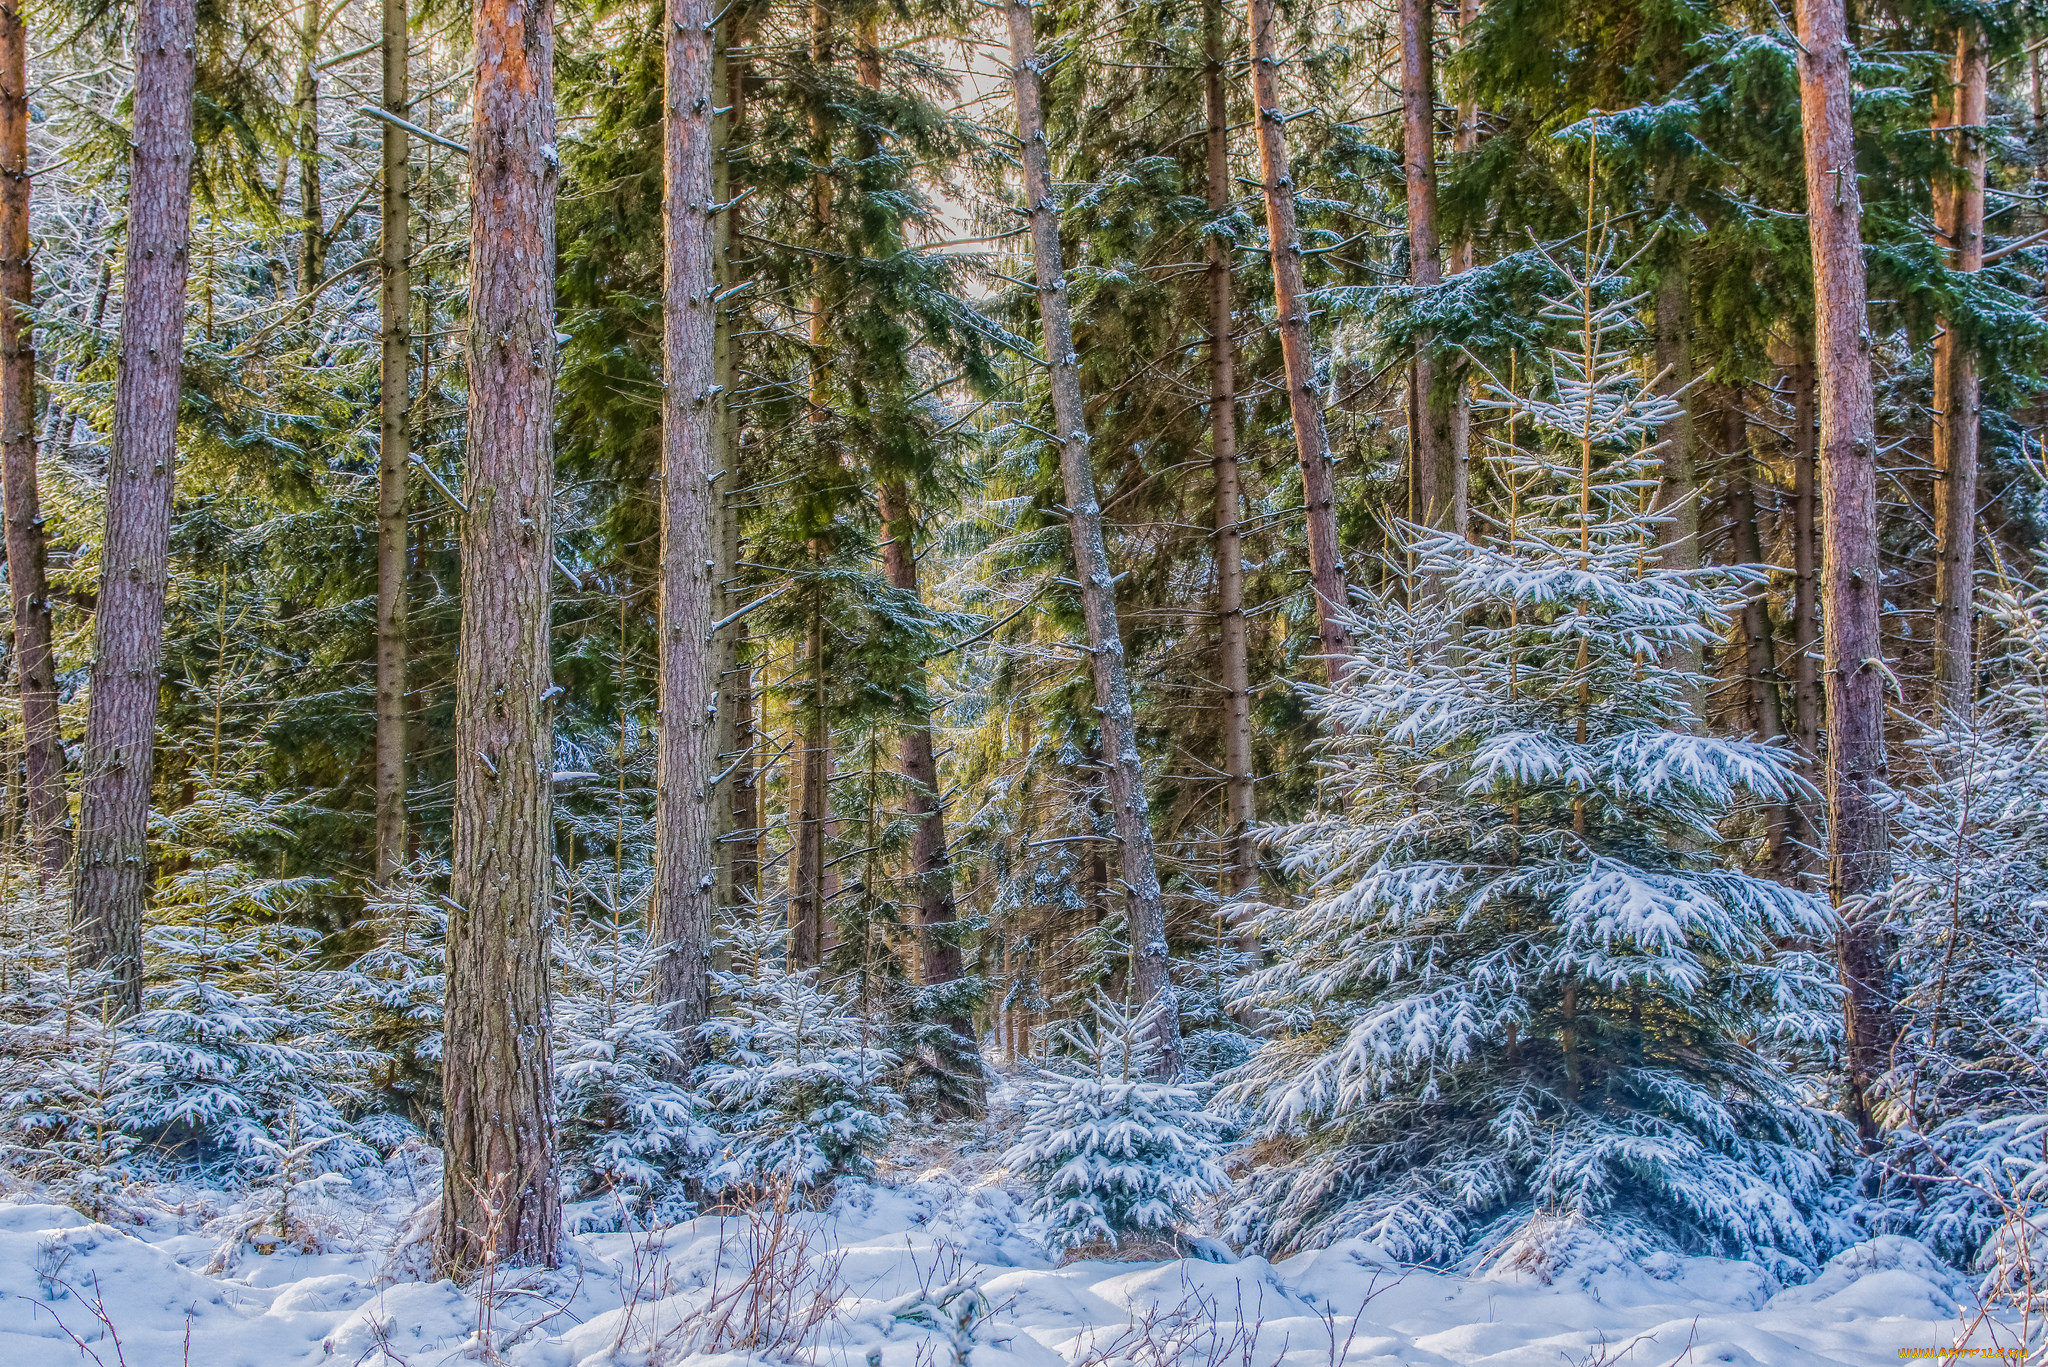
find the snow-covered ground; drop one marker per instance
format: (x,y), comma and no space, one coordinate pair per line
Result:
(916,1272)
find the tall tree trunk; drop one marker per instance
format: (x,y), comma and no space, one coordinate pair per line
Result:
(1677,498)
(808,890)
(1758,667)
(733,743)
(394,438)
(1956,392)
(686,759)
(1130,813)
(306,137)
(112,877)
(499,1194)
(42,739)
(1432,480)
(813,805)
(1859,850)
(1311,438)
(1241,868)
(1463,257)
(931,865)
(1805,575)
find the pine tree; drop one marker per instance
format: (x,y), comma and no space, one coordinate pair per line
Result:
(1527,978)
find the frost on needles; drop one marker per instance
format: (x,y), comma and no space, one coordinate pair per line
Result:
(1531,980)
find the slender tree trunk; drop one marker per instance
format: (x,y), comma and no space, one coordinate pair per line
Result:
(1433,483)
(1463,257)
(1956,394)
(1859,851)
(1241,869)
(1145,907)
(1759,665)
(1677,499)
(112,877)
(808,885)
(306,136)
(733,743)
(813,806)
(394,436)
(1311,439)
(1758,668)
(686,760)
(499,1196)
(1805,566)
(42,738)
(931,865)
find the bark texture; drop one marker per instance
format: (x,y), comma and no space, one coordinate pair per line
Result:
(500,1200)
(1435,496)
(1311,438)
(1960,215)
(42,739)
(685,759)
(112,877)
(1130,814)
(394,439)
(1234,671)
(306,136)
(1859,851)
(1805,583)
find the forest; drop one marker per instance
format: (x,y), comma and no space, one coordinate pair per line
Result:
(1406,626)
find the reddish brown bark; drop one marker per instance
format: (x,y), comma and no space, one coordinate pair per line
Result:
(1859,850)
(112,878)
(1959,209)
(1311,438)
(1432,481)
(685,758)
(1241,859)
(1130,814)
(500,1199)
(42,739)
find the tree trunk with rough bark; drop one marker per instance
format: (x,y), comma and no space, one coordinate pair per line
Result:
(1859,849)
(1960,215)
(1433,485)
(1677,498)
(733,727)
(1130,813)
(686,760)
(1311,438)
(1806,693)
(1234,671)
(1463,257)
(394,437)
(500,1200)
(112,877)
(27,558)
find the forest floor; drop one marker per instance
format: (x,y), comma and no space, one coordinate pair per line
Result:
(930,1263)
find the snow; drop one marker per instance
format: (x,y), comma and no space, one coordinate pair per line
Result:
(909,1273)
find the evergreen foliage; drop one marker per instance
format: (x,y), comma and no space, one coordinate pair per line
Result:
(1115,1155)
(1528,979)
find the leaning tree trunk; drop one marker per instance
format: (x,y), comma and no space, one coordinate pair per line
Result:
(34,662)
(499,1199)
(1859,852)
(1432,481)
(1311,438)
(1130,814)
(394,438)
(112,877)
(685,760)
(1955,393)
(1241,862)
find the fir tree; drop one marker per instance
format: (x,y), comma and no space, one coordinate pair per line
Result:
(1528,978)
(1116,1154)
